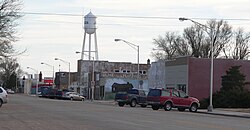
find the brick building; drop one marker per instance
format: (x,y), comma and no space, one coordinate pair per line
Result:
(62,80)
(108,73)
(192,75)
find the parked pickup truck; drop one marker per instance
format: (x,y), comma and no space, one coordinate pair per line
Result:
(132,98)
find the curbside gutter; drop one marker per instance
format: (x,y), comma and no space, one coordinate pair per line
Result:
(226,113)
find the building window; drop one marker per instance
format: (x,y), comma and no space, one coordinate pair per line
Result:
(116,71)
(126,71)
(182,87)
(144,72)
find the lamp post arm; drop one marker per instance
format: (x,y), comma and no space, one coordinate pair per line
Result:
(131,44)
(196,23)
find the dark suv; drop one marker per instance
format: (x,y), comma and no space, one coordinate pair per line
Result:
(171,98)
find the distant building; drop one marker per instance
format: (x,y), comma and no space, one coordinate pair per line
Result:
(192,75)
(108,73)
(62,80)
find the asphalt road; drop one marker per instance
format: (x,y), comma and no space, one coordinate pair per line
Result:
(31,113)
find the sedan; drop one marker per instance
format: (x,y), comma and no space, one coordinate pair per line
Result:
(75,96)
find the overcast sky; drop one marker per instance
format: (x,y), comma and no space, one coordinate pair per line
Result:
(49,36)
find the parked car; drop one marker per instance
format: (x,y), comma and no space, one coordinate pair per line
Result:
(74,96)
(3,96)
(132,97)
(61,94)
(44,91)
(9,91)
(171,98)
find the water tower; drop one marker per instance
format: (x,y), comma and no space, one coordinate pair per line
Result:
(90,28)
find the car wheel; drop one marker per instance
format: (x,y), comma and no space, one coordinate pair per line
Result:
(193,107)
(133,103)
(155,107)
(1,102)
(83,99)
(121,104)
(143,105)
(181,109)
(168,106)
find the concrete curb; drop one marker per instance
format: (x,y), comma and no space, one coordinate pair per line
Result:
(102,102)
(227,113)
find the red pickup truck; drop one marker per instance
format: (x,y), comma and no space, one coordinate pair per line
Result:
(171,98)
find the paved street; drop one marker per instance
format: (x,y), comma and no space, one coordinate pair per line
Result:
(32,113)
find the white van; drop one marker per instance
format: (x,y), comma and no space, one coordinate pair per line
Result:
(3,96)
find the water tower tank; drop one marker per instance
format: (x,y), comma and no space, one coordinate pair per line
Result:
(90,23)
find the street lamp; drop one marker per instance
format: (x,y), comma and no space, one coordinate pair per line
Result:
(93,75)
(52,69)
(69,69)
(136,47)
(36,71)
(210,107)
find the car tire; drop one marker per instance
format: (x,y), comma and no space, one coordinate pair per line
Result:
(181,109)
(83,99)
(121,104)
(168,106)
(193,107)
(1,103)
(155,107)
(133,103)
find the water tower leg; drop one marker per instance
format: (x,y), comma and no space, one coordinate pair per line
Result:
(89,46)
(96,49)
(83,46)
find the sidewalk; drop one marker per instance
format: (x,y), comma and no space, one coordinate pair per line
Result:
(243,113)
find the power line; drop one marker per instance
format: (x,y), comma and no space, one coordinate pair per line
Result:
(61,14)
(136,17)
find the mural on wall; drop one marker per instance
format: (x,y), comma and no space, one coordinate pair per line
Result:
(141,84)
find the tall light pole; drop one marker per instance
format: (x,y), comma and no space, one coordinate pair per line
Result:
(210,107)
(93,75)
(69,69)
(36,71)
(136,47)
(53,70)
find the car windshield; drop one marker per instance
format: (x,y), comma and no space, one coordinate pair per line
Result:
(154,92)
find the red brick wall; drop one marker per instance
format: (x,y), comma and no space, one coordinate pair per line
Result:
(199,74)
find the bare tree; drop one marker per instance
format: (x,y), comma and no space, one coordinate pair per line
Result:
(220,34)
(169,47)
(239,47)
(200,38)
(9,13)
(8,67)
(194,36)
(183,49)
